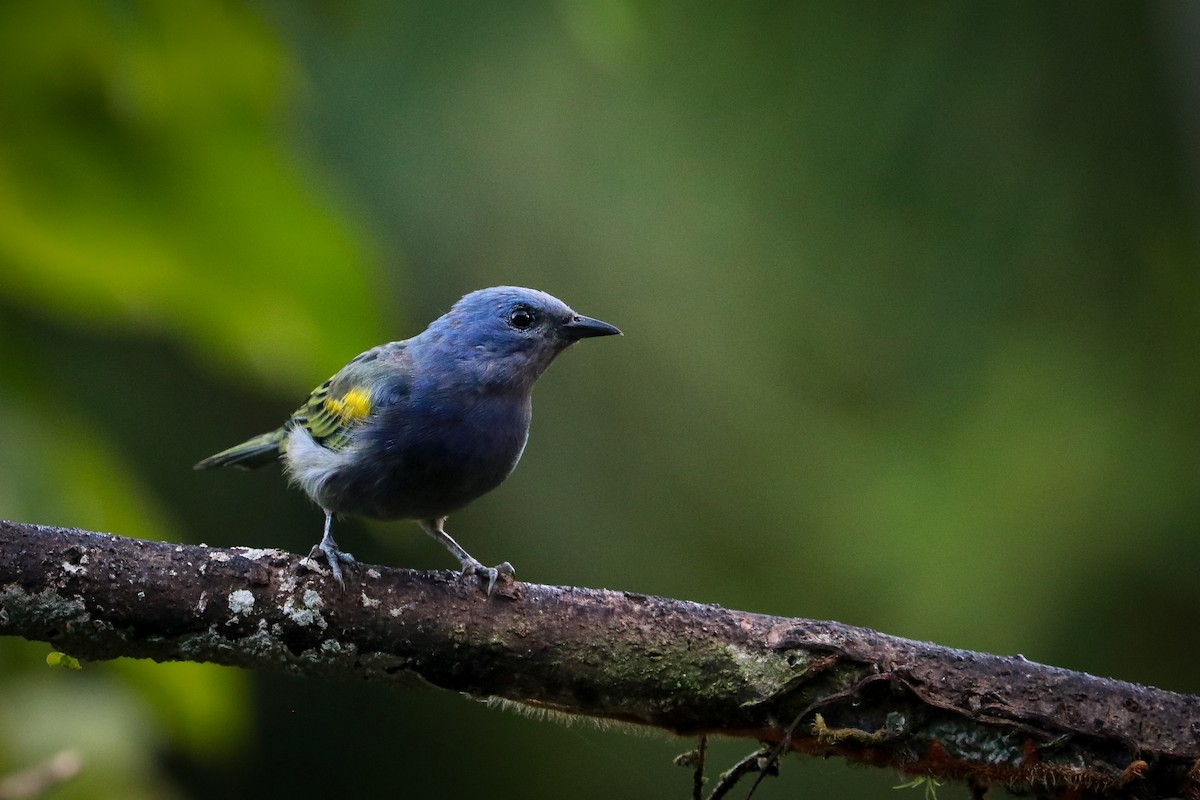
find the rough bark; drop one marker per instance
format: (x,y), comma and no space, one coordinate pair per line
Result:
(803,685)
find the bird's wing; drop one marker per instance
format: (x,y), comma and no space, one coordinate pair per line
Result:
(342,404)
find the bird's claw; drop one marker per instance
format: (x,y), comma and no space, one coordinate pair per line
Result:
(476,569)
(334,558)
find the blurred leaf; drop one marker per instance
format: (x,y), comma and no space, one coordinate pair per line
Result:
(201,706)
(58,470)
(144,182)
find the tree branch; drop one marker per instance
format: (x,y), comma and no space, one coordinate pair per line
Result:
(813,687)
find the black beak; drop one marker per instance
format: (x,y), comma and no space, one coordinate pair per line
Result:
(581,327)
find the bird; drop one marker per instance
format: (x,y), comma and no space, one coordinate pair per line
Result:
(417,429)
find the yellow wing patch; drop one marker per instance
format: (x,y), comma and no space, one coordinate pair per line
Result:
(331,420)
(351,407)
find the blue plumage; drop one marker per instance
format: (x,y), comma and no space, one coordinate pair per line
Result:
(419,428)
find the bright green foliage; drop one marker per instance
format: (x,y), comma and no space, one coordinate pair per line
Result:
(57,659)
(144,182)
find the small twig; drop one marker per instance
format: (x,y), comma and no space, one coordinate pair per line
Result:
(695,760)
(772,766)
(755,762)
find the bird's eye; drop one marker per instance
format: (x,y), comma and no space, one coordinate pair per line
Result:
(520,318)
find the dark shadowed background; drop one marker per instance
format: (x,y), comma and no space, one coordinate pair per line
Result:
(911,300)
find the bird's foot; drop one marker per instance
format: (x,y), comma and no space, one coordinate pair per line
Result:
(334,557)
(502,571)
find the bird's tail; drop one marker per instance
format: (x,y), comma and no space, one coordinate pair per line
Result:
(250,454)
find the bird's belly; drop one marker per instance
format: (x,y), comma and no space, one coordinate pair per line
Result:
(428,471)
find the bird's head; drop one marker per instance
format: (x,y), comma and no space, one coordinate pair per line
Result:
(512,332)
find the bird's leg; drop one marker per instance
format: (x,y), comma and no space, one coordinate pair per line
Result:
(328,548)
(470,566)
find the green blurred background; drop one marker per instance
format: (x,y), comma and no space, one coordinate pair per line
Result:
(912,311)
